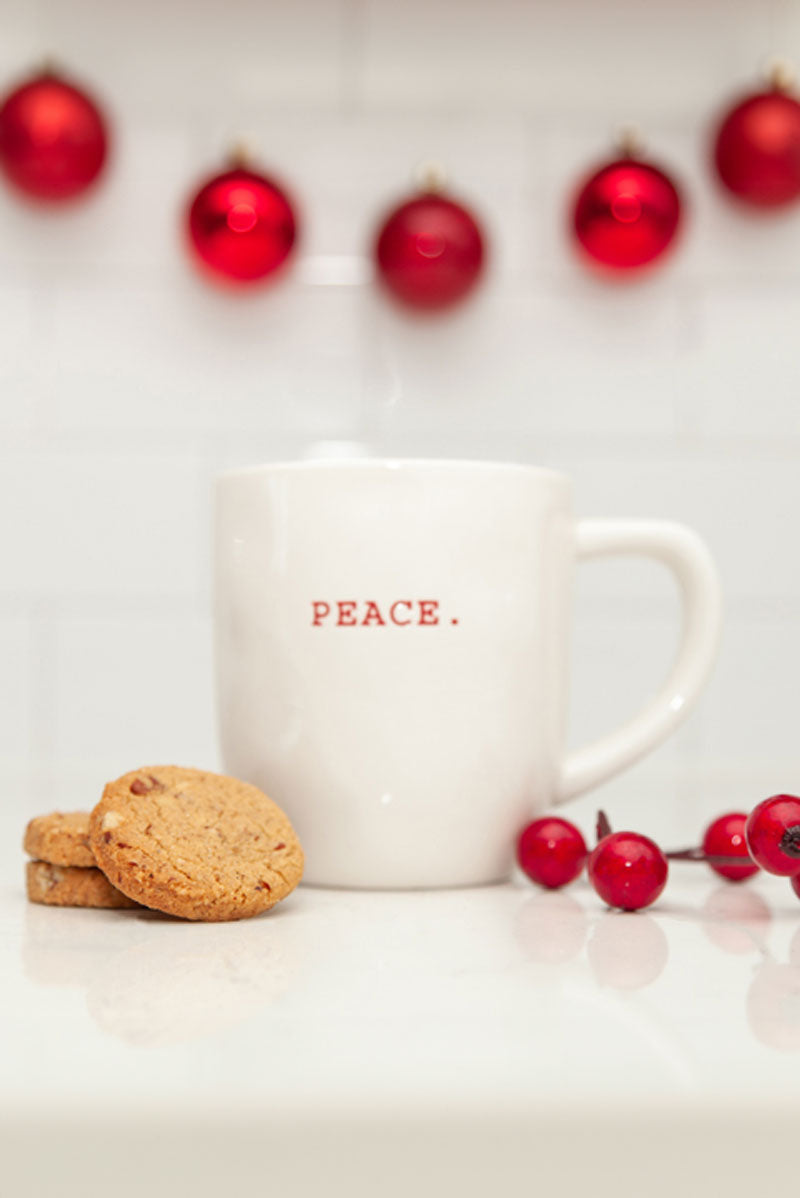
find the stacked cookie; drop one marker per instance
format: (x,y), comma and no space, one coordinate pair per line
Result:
(186,842)
(64,872)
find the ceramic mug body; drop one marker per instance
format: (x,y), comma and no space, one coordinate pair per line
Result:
(392,656)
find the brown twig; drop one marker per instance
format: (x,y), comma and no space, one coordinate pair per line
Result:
(602,827)
(699,854)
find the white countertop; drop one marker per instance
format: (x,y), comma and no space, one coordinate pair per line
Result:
(367,1042)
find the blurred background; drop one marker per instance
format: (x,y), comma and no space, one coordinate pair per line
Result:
(128,381)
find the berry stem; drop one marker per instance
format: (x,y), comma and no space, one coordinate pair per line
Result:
(700,854)
(603,826)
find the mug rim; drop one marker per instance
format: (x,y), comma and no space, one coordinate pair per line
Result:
(390,463)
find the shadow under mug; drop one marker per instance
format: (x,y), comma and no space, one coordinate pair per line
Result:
(392,645)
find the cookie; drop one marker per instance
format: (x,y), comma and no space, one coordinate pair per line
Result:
(71,886)
(60,838)
(194,844)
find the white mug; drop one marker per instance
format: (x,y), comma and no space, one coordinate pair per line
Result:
(392,656)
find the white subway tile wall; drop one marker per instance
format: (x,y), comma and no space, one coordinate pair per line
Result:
(127,381)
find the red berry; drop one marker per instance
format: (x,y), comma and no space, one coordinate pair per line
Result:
(796,884)
(725,838)
(772,832)
(551,851)
(628,870)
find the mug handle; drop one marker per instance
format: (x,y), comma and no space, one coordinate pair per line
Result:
(685,554)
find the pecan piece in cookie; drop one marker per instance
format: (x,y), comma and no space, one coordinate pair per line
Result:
(142,786)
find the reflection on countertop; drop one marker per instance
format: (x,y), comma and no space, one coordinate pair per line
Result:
(514,991)
(152,980)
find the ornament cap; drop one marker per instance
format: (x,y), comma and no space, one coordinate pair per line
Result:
(48,67)
(241,153)
(781,75)
(629,141)
(431,177)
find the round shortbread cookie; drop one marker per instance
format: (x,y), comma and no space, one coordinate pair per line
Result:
(194,844)
(62,838)
(72,886)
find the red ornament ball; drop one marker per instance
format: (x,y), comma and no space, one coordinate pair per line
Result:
(242,225)
(53,138)
(551,851)
(430,251)
(628,870)
(757,149)
(773,834)
(626,214)
(725,838)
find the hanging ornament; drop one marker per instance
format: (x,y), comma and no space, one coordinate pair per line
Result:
(53,138)
(430,249)
(241,224)
(626,213)
(757,145)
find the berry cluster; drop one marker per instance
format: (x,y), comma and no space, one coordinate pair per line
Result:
(629,871)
